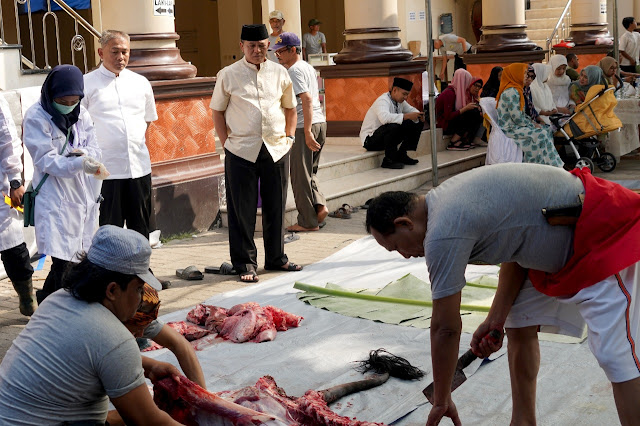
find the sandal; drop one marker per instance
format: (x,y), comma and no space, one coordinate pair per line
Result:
(350,209)
(341,213)
(458,145)
(292,267)
(224,269)
(253,277)
(190,273)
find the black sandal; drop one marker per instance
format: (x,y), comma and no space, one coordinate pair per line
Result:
(291,268)
(458,145)
(252,279)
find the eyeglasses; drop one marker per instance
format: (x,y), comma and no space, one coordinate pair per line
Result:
(531,76)
(478,85)
(281,51)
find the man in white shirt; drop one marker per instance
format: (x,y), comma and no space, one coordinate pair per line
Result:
(254,115)
(629,46)
(454,44)
(276,22)
(391,121)
(122,105)
(311,131)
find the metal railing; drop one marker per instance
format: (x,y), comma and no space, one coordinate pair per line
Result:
(561,30)
(50,24)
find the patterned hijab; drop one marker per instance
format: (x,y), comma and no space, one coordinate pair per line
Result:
(460,83)
(148,310)
(513,77)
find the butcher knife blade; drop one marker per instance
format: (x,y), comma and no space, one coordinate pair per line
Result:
(463,362)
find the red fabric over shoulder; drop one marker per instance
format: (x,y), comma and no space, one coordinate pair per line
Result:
(606,239)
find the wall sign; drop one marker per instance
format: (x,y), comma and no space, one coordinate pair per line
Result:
(163,8)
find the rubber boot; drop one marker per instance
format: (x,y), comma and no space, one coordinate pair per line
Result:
(25,293)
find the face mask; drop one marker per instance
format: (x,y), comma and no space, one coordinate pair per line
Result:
(64,109)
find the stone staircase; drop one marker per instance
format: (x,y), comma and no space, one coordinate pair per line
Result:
(350,174)
(541,18)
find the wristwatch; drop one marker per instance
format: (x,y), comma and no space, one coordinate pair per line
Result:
(293,138)
(15,184)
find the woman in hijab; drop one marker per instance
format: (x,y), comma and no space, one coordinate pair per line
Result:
(541,93)
(529,108)
(610,68)
(493,84)
(589,76)
(535,141)
(59,134)
(558,81)
(458,112)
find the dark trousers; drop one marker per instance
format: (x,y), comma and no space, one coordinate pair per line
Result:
(54,279)
(16,261)
(127,201)
(628,68)
(388,136)
(241,182)
(465,124)
(304,182)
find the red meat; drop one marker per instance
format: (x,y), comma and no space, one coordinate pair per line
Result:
(189,331)
(244,322)
(189,404)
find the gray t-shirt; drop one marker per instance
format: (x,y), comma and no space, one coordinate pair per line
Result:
(64,364)
(271,54)
(491,215)
(313,43)
(305,80)
(153,329)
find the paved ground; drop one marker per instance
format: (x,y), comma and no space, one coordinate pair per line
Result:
(211,248)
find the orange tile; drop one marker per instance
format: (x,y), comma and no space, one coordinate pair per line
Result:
(184,128)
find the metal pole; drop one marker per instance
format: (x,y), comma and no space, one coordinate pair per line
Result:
(616,50)
(432,97)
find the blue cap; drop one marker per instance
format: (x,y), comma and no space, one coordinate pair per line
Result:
(122,250)
(285,40)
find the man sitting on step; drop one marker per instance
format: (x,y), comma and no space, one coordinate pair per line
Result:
(391,121)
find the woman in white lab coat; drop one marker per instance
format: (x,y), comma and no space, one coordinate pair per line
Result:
(67,206)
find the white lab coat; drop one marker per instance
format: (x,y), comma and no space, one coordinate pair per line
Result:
(10,168)
(67,207)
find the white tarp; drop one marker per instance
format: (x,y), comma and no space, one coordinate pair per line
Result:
(319,354)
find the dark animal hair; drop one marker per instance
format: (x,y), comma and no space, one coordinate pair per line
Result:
(626,22)
(381,361)
(386,208)
(88,281)
(570,56)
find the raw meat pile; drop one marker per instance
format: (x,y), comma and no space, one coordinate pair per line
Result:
(246,322)
(264,403)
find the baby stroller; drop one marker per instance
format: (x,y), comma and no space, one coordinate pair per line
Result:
(577,135)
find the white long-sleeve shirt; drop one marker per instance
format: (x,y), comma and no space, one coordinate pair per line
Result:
(384,110)
(120,107)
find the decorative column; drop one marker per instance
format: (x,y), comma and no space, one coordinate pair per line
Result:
(153,37)
(185,168)
(291,11)
(504,31)
(371,33)
(588,21)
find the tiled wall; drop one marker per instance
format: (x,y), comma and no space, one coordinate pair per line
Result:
(184,128)
(349,99)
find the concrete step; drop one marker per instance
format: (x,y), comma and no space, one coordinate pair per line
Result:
(538,34)
(547,4)
(550,12)
(546,24)
(356,188)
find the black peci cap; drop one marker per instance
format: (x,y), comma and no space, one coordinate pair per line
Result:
(402,83)
(255,32)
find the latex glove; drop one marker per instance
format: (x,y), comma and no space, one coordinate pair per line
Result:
(94,168)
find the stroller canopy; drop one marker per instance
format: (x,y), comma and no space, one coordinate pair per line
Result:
(595,115)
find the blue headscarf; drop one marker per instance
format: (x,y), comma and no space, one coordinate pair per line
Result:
(63,80)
